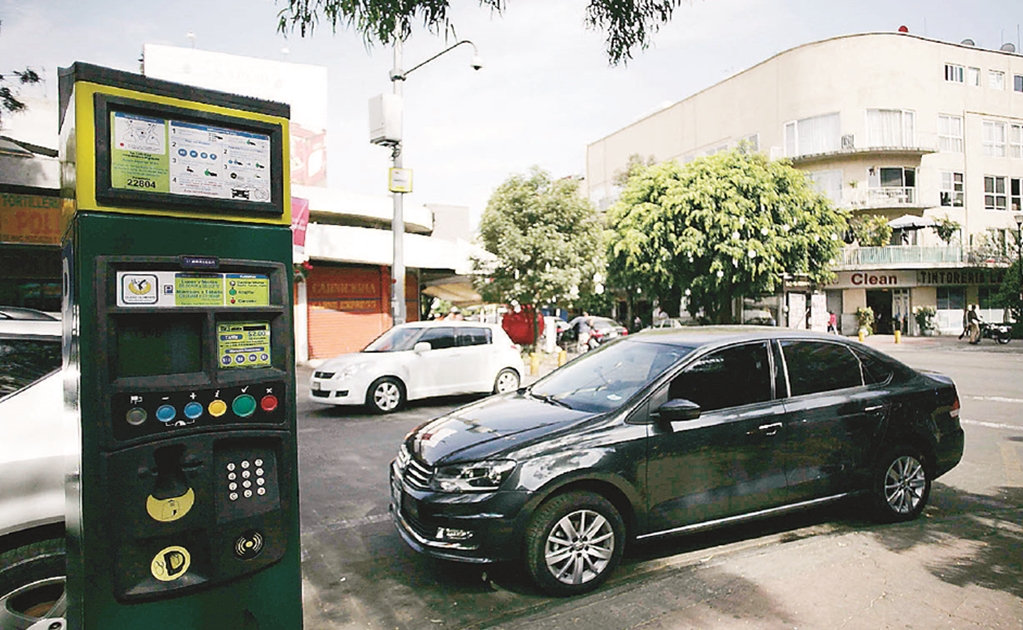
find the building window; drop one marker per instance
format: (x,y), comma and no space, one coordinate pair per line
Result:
(952,188)
(994,192)
(973,77)
(1016,141)
(996,79)
(809,136)
(751,142)
(951,298)
(891,185)
(1016,194)
(828,183)
(950,133)
(890,128)
(994,138)
(953,73)
(1017,82)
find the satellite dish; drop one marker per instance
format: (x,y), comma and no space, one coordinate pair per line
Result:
(1008,47)
(968,42)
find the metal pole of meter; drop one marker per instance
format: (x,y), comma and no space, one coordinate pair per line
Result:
(398,312)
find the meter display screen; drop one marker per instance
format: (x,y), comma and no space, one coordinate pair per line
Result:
(152,345)
(243,344)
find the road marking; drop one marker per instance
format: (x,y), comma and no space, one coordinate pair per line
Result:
(992,425)
(1012,464)
(1000,399)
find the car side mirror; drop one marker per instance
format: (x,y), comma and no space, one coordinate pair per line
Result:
(421,347)
(677,410)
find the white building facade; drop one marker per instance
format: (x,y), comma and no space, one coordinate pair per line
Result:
(887,124)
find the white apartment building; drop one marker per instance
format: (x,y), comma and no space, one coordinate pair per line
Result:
(890,124)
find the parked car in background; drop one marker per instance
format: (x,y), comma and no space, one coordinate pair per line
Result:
(420,360)
(667,432)
(33,447)
(602,330)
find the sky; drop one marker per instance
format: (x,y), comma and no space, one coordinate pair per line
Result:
(545,91)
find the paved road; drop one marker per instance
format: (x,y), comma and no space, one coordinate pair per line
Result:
(959,566)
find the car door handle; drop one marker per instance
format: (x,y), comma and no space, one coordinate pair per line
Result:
(873,408)
(766,429)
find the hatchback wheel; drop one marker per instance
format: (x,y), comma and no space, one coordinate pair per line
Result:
(507,380)
(386,395)
(31,584)
(902,485)
(573,543)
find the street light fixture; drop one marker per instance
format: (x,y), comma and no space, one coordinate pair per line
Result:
(398,189)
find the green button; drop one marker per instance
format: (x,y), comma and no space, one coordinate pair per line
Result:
(243,406)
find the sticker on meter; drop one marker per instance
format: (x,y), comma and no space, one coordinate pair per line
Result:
(244,344)
(170,564)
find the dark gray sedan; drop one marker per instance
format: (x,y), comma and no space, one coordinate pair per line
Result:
(668,432)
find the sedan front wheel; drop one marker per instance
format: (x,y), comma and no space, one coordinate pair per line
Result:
(573,543)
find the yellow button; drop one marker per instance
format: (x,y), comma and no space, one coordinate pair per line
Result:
(218,408)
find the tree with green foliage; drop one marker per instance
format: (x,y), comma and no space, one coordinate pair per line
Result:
(871,231)
(545,239)
(1010,296)
(721,227)
(946,228)
(629,24)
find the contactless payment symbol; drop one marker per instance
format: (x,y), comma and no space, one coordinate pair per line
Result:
(139,288)
(170,564)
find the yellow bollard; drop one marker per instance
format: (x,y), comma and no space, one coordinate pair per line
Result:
(534,364)
(861,335)
(562,357)
(898,336)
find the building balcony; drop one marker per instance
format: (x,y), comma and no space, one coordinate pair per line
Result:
(899,257)
(882,198)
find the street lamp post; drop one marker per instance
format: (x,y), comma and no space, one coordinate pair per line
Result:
(1019,253)
(398,310)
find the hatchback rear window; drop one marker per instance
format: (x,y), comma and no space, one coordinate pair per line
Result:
(23,361)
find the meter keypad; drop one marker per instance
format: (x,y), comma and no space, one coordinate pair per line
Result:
(247,482)
(145,413)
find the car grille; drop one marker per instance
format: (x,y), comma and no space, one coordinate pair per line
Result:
(413,473)
(323,374)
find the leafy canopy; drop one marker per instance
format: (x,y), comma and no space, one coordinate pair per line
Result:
(720,227)
(629,24)
(545,240)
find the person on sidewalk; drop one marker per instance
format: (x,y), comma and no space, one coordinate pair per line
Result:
(585,328)
(966,322)
(973,323)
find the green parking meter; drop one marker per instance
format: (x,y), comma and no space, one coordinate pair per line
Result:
(182,508)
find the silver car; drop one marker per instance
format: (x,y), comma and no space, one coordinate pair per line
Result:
(33,447)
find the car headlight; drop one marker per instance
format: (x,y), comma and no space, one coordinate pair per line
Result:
(349,371)
(474,477)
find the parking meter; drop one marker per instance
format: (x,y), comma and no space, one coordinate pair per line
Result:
(182,509)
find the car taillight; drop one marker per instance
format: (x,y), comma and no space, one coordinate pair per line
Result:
(596,334)
(954,411)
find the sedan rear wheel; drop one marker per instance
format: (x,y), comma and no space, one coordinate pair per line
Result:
(386,395)
(573,543)
(507,380)
(902,485)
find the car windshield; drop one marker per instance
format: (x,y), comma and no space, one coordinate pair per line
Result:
(605,379)
(396,339)
(25,361)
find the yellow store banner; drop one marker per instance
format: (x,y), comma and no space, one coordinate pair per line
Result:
(29,219)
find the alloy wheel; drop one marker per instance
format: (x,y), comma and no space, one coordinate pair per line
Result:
(904,484)
(579,547)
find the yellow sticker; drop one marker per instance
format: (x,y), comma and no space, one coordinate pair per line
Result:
(170,564)
(167,510)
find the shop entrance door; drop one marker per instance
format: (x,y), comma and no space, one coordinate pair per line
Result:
(880,300)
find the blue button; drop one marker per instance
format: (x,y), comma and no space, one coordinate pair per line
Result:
(166,413)
(193,410)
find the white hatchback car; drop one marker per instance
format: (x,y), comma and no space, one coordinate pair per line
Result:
(420,360)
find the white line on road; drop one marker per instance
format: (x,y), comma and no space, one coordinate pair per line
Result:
(1000,399)
(992,425)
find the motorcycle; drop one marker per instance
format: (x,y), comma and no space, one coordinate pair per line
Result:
(1001,333)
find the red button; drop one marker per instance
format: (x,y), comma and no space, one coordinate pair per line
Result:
(269,402)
